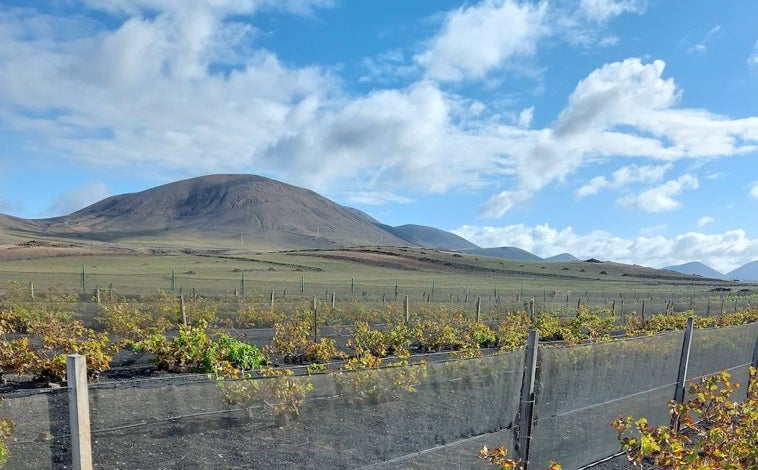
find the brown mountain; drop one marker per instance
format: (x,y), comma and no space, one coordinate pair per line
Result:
(225,210)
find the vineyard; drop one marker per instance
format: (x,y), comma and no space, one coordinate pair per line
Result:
(275,362)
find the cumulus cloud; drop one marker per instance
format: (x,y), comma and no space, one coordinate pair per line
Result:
(724,251)
(660,198)
(162,86)
(480,38)
(79,198)
(703,221)
(624,176)
(625,109)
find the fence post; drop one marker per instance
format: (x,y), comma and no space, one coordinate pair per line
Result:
(684,359)
(78,409)
(407,311)
(526,406)
(31,288)
(242,285)
(271,302)
(478,308)
(755,360)
(315,321)
(184,310)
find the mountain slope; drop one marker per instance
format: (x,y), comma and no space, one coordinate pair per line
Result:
(562,257)
(421,235)
(696,268)
(508,252)
(748,272)
(225,207)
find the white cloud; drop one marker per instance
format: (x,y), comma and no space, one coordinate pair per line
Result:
(602,10)
(188,91)
(701,47)
(723,252)
(703,221)
(660,198)
(752,60)
(375,198)
(625,109)
(478,39)
(754,189)
(79,198)
(525,117)
(624,176)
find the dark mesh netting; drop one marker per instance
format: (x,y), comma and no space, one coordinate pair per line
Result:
(581,389)
(397,417)
(42,436)
(731,348)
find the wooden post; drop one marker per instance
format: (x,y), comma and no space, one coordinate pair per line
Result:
(97,294)
(526,405)
(184,310)
(173,281)
(407,311)
(78,409)
(531,309)
(432,294)
(271,302)
(352,286)
(243,285)
(84,279)
(302,285)
(334,298)
(396,290)
(31,288)
(684,359)
(315,321)
(478,308)
(643,310)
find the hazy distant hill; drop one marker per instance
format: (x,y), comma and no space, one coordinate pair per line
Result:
(696,268)
(508,252)
(421,235)
(748,272)
(562,257)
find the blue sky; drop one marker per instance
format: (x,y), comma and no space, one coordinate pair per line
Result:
(617,129)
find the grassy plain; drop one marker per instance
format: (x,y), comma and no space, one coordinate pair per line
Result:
(365,273)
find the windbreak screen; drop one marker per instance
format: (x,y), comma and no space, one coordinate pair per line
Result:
(581,389)
(731,349)
(41,439)
(397,417)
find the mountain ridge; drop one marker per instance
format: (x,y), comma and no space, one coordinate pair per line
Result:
(251,211)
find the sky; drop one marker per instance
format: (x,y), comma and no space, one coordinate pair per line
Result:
(624,130)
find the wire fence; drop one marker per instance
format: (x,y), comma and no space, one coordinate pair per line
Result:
(434,414)
(355,297)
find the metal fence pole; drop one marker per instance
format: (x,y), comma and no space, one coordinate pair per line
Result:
(78,406)
(526,406)
(684,360)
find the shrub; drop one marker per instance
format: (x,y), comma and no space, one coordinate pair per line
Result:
(6,431)
(710,430)
(193,350)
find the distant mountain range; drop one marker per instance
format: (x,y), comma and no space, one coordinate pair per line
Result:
(747,272)
(254,212)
